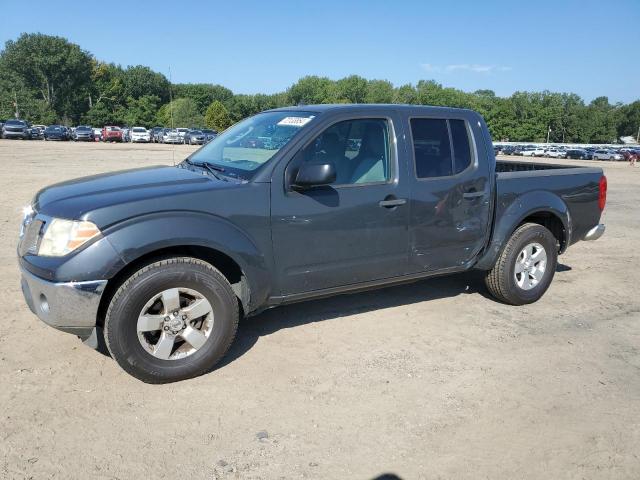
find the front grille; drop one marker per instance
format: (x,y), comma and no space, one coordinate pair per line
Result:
(31,238)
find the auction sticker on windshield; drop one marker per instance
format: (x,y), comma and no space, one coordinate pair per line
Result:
(295,121)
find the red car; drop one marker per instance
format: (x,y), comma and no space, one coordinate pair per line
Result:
(111,134)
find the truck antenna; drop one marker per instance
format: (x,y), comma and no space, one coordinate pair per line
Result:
(173,147)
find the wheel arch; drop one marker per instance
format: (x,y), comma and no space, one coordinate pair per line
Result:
(540,207)
(144,239)
(229,268)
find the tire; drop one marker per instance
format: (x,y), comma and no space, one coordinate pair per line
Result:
(145,362)
(503,282)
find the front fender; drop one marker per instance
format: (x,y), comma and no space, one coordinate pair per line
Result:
(510,212)
(145,234)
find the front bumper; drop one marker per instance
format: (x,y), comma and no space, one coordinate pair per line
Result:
(18,134)
(140,139)
(595,233)
(69,306)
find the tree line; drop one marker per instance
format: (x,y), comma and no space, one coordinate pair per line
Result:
(47,79)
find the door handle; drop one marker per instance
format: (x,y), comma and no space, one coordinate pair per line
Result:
(392,202)
(470,195)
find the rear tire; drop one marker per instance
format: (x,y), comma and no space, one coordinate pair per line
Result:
(519,276)
(137,349)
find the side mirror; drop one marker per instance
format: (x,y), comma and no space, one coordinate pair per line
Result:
(314,175)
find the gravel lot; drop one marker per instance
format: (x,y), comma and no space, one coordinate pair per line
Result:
(430,380)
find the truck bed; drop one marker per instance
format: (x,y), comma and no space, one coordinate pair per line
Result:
(535,183)
(509,166)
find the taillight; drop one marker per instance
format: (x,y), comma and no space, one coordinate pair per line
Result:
(602,197)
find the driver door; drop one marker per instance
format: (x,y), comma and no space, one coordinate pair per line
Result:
(353,230)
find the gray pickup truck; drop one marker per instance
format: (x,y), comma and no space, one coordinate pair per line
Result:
(288,205)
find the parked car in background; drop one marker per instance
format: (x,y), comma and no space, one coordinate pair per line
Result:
(155,134)
(140,135)
(627,153)
(530,151)
(83,133)
(111,134)
(37,132)
(508,150)
(555,153)
(195,137)
(97,134)
(16,129)
(126,134)
(55,132)
(579,154)
(209,134)
(181,132)
(606,154)
(171,135)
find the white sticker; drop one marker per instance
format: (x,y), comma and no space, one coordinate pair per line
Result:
(295,121)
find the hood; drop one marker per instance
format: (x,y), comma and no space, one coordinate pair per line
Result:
(114,196)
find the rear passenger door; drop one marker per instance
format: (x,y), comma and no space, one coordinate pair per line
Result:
(450,191)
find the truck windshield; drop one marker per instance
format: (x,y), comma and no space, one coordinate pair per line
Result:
(249,144)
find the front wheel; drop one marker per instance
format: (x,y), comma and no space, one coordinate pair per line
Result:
(526,266)
(172,320)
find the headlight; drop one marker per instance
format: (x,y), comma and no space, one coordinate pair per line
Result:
(64,236)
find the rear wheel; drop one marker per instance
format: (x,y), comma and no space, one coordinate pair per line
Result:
(173,319)
(525,268)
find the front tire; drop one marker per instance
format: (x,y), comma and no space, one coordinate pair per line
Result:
(172,320)
(526,266)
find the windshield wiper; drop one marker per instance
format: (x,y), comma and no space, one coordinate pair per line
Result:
(210,167)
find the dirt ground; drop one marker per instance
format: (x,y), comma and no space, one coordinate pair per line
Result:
(430,380)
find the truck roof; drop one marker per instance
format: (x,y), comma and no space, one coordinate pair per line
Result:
(368,106)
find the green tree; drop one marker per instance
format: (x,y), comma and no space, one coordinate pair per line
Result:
(405,94)
(379,91)
(182,112)
(202,93)
(141,81)
(142,111)
(602,121)
(629,120)
(312,90)
(54,69)
(217,116)
(351,89)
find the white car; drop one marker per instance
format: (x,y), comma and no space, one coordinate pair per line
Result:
(604,154)
(140,134)
(181,132)
(555,153)
(172,136)
(533,152)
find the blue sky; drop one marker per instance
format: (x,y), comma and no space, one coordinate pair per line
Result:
(588,47)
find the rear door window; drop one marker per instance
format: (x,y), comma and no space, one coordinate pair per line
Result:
(461,146)
(431,147)
(441,147)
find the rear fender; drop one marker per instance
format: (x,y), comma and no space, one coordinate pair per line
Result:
(509,217)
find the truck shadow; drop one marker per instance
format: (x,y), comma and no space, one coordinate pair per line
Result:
(294,315)
(298,314)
